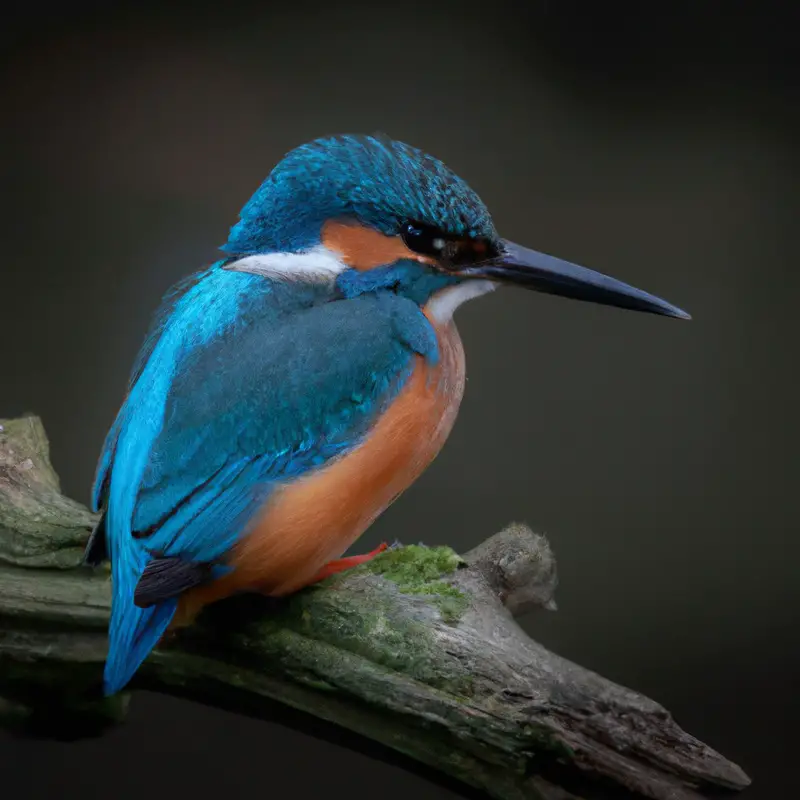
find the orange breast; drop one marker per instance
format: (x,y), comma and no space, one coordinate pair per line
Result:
(316,518)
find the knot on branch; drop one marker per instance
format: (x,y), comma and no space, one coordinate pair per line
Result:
(519,566)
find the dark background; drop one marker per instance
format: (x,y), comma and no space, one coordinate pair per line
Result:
(659,145)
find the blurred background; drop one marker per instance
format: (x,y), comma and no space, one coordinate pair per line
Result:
(659,144)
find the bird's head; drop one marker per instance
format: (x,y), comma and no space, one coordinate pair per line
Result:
(368,212)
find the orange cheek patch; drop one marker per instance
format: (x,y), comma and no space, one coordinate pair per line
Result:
(364,248)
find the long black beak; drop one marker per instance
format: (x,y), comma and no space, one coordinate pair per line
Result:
(543,273)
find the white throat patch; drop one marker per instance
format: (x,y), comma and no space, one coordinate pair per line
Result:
(317,264)
(322,264)
(443,304)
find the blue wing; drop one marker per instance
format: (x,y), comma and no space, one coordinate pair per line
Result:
(245,382)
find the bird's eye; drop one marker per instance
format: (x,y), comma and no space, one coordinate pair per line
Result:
(424,239)
(450,251)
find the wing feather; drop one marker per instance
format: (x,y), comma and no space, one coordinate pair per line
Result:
(247,383)
(264,405)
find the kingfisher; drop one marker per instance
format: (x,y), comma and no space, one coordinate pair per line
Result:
(287,394)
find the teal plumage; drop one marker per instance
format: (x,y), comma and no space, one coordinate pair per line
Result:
(250,379)
(375,179)
(248,382)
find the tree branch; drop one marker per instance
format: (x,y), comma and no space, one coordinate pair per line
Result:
(417,651)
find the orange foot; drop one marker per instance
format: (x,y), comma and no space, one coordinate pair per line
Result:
(341,564)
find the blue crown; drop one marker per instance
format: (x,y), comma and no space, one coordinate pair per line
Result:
(380,182)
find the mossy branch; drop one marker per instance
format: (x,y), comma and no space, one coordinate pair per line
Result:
(417,651)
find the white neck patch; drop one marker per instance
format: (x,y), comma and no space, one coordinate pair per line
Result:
(317,264)
(322,264)
(443,304)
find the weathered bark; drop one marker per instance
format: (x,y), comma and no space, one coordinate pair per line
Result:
(417,651)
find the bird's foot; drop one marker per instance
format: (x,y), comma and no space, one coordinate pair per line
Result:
(190,604)
(342,564)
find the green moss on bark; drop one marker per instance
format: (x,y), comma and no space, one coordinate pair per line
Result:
(420,570)
(362,620)
(351,614)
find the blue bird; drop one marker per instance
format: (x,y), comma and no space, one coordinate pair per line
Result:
(288,393)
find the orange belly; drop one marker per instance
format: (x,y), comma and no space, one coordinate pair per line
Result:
(315,519)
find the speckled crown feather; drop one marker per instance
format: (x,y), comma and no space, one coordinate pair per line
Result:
(379,181)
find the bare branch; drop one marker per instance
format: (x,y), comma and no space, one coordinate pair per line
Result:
(417,650)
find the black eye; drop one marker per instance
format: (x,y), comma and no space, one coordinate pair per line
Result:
(424,239)
(450,251)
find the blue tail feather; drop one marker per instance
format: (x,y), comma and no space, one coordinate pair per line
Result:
(134,631)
